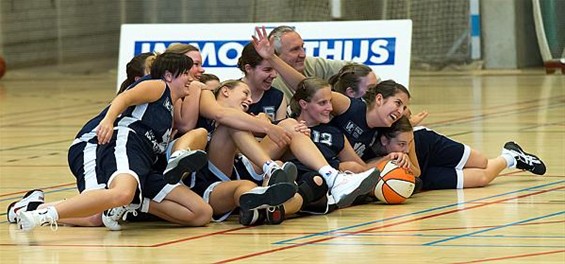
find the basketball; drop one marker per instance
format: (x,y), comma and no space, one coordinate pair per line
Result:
(2,67)
(395,184)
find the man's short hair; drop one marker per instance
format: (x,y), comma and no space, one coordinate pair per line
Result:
(277,33)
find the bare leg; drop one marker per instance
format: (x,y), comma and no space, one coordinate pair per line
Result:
(193,139)
(253,150)
(221,150)
(481,177)
(121,192)
(93,220)
(225,196)
(476,160)
(182,206)
(303,148)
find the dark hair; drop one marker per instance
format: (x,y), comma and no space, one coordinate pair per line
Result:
(208,77)
(134,68)
(386,88)
(276,35)
(174,63)
(249,56)
(399,126)
(349,76)
(306,89)
(230,84)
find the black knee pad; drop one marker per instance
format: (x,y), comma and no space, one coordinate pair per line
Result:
(309,190)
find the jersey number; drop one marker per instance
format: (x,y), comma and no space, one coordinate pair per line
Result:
(324,138)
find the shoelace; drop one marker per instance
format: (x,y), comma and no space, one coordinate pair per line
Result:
(47,220)
(132,211)
(529,160)
(121,212)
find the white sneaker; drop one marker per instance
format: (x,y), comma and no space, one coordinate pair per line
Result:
(182,163)
(29,220)
(347,187)
(112,217)
(29,202)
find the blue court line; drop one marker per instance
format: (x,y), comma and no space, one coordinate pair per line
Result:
(493,228)
(332,232)
(416,244)
(480,236)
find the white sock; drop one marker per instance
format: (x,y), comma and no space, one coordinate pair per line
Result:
(510,160)
(329,174)
(145,205)
(178,152)
(268,164)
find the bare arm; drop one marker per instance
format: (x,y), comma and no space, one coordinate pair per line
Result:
(351,161)
(144,92)
(266,50)
(187,109)
(240,120)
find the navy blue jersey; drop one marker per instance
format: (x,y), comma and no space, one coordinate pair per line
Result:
(353,124)
(268,104)
(152,120)
(330,142)
(208,124)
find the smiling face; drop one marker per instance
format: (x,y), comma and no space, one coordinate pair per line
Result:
(179,84)
(261,76)
(292,50)
(238,97)
(318,110)
(399,143)
(196,71)
(386,111)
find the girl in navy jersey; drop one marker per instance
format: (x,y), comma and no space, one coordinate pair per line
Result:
(259,76)
(448,164)
(311,104)
(131,132)
(358,119)
(220,183)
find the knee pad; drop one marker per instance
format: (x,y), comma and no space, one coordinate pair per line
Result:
(309,190)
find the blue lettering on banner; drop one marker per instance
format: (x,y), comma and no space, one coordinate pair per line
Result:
(225,53)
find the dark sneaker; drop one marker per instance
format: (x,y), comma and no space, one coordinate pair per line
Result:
(251,217)
(275,215)
(287,173)
(29,202)
(263,197)
(181,165)
(524,160)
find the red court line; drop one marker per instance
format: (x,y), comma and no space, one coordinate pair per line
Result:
(513,257)
(131,246)
(383,226)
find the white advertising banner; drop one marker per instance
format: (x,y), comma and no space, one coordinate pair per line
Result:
(383,45)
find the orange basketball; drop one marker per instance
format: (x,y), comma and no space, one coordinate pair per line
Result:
(2,67)
(395,184)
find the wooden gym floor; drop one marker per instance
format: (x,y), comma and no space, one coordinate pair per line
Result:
(519,218)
